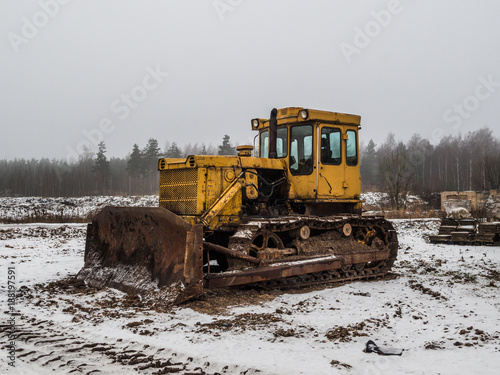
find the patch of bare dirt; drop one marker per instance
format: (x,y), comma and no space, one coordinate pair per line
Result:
(240,322)
(475,337)
(214,302)
(345,334)
(434,345)
(417,286)
(91,304)
(339,364)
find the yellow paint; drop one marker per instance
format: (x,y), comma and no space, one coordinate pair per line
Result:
(213,189)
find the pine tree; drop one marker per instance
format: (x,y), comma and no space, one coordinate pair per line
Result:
(150,155)
(369,165)
(225,148)
(101,167)
(135,167)
(134,163)
(152,152)
(174,151)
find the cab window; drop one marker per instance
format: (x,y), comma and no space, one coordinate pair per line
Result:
(281,143)
(264,144)
(331,146)
(301,149)
(351,148)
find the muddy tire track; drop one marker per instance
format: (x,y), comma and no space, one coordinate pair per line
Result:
(44,344)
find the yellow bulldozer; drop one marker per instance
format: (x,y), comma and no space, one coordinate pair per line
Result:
(289,216)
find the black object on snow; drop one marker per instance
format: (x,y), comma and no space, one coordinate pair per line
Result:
(371,347)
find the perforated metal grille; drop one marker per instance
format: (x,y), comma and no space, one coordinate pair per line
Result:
(178,190)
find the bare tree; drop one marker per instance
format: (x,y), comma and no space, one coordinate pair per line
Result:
(491,165)
(419,155)
(395,170)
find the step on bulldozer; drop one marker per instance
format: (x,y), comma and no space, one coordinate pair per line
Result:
(289,215)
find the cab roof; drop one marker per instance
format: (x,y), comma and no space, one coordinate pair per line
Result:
(298,114)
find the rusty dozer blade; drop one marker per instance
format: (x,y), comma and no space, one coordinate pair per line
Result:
(144,250)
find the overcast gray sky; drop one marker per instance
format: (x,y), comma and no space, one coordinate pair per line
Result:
(191,71)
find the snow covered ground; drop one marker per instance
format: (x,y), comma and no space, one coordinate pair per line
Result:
(76,209)
(375,198)
(375,202)
(58,209)
(441,306)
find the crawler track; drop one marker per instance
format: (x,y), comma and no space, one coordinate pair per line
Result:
(325,277)
(327,234)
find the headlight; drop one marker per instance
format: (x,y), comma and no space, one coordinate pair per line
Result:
(255,123)
(304,114)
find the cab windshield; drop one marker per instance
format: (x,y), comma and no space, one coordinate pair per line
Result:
(281,143)
(301,149)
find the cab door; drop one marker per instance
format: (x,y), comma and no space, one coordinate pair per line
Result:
(331,166)
(352,176)
(302,160)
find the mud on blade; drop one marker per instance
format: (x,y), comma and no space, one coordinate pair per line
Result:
(149,251)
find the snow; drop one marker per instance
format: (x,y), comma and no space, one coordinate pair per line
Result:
(42,252)
(375,198)
(438,294)
(29,208)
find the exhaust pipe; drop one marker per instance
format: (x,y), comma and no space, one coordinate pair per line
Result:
(273,134)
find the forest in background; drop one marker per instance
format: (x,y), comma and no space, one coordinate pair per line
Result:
(460,162)
(96,174)
(456,163)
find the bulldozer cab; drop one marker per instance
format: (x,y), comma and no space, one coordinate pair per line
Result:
(320,150)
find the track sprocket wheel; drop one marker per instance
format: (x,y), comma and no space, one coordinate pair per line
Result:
(263,240)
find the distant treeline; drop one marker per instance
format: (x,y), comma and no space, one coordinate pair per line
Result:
(95,174)
(470,162)
(461,162)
